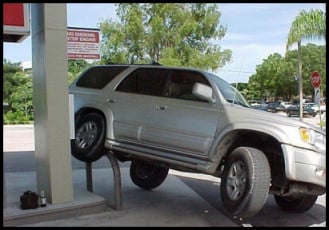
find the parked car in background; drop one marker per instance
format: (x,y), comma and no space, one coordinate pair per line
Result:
(285,104)
(293,110)
(259,106)
(254,102)
(317,108)
(274,107)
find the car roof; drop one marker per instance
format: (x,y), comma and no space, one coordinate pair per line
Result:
(150,66)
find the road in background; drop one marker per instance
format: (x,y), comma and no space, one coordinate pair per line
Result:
(21,137)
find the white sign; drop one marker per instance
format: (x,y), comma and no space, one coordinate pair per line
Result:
(317,96)
(83,43)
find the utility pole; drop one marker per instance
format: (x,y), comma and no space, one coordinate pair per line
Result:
(300,82)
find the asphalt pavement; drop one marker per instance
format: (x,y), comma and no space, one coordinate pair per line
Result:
(184,199)
(172,204)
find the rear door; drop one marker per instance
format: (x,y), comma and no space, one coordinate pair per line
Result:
(132,102)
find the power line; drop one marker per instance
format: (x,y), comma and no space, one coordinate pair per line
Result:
(236,71)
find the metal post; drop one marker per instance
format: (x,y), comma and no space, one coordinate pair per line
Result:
(116,176)
(117,180)
(300,81)
(89,177)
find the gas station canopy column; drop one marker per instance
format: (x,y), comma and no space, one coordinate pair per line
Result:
(51,101)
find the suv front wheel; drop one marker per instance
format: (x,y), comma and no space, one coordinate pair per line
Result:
(245,182)
(147,176)
(88,145)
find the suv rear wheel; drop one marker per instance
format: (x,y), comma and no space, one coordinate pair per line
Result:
(147,176)
(88,145)
(245,182)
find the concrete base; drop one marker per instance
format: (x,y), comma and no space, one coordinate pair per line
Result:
(171,204)
(84,202)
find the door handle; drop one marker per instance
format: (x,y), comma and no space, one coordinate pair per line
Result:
(109,100)
(161,107)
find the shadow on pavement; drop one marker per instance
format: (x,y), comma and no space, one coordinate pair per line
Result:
(269,216)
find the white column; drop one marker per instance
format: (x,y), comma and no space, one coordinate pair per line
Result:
(51,101)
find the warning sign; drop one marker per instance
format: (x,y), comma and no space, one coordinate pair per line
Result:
(83,43)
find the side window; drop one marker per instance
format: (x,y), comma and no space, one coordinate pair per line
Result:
(148,81)
(182,82)
(98,77)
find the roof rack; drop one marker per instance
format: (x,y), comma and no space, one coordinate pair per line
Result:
(112,63)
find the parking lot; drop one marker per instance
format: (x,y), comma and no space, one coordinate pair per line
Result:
(316,121)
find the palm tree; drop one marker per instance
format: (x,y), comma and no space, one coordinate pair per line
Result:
(307,25)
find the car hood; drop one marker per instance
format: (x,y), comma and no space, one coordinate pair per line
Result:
(252,116)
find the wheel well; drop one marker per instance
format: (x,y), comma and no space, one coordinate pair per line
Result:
(84,111)
(270,146)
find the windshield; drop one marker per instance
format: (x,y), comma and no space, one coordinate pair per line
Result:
(229,92)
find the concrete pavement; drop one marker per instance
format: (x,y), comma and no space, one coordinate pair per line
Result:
(171,204)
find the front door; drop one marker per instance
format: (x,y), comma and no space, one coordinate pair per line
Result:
(179,120)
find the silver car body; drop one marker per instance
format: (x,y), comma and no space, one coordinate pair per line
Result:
(193,134)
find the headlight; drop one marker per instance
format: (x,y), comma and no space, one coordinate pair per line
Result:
(313,137)
(320,140)
(306,135)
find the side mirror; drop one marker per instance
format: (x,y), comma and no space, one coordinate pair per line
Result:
(203,92)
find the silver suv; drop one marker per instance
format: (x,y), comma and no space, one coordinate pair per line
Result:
(162,118)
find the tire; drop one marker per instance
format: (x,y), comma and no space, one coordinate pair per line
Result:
(147,176)
(88,145)
(295,204)
(245,182)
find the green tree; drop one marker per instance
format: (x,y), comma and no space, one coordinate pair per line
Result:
(75,67)
(270,78)
(307,25)
(314,58)
(173,34)
(275,77)
(9,81)
(243,88)
(17,90)
(17,94)
(21,102)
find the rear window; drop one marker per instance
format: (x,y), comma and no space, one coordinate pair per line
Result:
(147,81)
(98,77)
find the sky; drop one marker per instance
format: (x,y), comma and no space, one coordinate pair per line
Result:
(254,31)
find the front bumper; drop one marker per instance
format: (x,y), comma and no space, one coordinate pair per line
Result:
(304,165)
